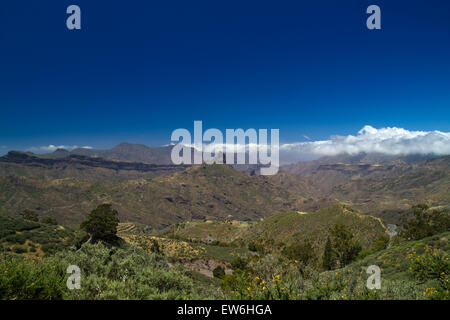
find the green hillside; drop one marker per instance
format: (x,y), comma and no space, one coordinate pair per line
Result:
(299,226)
(411,270)
(208,231)
(208,191)
(401,268)
(34,239)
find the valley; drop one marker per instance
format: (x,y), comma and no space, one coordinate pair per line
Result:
(66,186)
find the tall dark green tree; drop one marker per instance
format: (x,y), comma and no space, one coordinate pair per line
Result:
(329,258)
(101,223)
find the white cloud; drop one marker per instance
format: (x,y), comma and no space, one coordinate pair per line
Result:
(51,148)
(390,141)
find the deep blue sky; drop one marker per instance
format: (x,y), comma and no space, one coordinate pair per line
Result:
(139,69)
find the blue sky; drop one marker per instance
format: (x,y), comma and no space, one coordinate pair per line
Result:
(137,70)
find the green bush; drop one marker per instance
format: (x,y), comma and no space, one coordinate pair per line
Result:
(420,222)
(22,280)
(30,215)
(301,251)
(364,253)
(15,238)
(344,246)
(19,250)
(256,247)
(106,273)
(219,272)
(381,243)
(125,273)
(49,220)
(238,263)
(433,266)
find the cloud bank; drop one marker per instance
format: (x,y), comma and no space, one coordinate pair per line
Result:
(390,141)
(51,148)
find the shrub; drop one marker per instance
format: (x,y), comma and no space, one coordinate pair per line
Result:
(30,215)
(421,222)
(107,273)
(433,265)
(364,253)
(19,250)
(125,273)
(16,238)
(252,247)
(238,263)
(49,220)
(21,280)
(245,285)
(345,248)
(302,251)
(219,272)
(381,243)
(256,247)
(155,248)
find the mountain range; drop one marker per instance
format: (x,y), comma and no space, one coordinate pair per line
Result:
(123,152)
(145,187)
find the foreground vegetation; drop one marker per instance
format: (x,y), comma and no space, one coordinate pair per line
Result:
(107,273)
(35,239)
(410,270)
(132,264)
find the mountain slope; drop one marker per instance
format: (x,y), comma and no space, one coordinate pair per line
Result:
(35,239)
(208,191)
(122,152)
(283,228)
(299,226)
(374,184)
(389,192)
(77,166)
(159,195)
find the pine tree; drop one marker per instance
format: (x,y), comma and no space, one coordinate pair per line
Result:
(101,223)
(328,256)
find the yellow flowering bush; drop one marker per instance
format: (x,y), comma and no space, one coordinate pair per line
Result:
(434,266)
